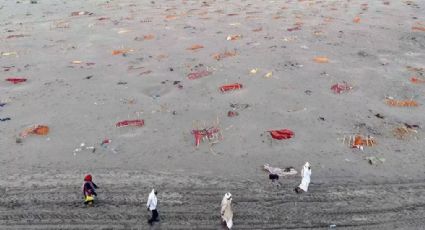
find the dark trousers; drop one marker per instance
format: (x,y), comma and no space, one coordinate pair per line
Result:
(154,216)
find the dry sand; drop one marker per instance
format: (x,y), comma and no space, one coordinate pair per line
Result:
(375,46)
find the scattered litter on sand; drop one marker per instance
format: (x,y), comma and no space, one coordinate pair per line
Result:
(253,71)
(40,130)
(84,147)
(195,47)
(268,75)
(359,141)
(17,36)
(341,88)
(230,87)
(321,59)
(16,80)
(232,114)
(239,106)
(380,116)
(278,171)
(405,131)
(9,53)
(281,134)
(356,19)
(122,51)
(225,54)
(134,123)
(105,142)
(417,80)
(401,103)
(418,27)
(198,74)
(203,132)
(375,160)
(80,13)
(233,37)
(36,130)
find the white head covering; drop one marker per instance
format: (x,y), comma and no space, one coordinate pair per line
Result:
(228,195)
(307,164)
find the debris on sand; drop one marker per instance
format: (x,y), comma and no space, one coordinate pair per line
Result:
(121,51)
(80,13)
(195,47)
(268,75)
(405,131)
(359,141)
(356,19)
(16,80)
(232,114)
(40,130)
(230,87)
(239,106)
(380,116)
(9,53)
(417,80)
(280,172)
(105,142)
(205,134)
(148,37)
(253,71)
(198,74)
(418,27)
(281,134)
(375,160)
(233,37)
(134,123)
(17,36)
(341,88)
(294,28)
(321,59)
(84,147)
(225,54)
(415,69)
(401,103)
(211,133)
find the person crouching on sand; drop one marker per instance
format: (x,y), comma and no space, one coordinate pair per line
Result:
(89,190)
(306,174)
(226,210)
(152,205)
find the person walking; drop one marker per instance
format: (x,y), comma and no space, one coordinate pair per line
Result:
(226,210)
(152,206)
(305,182)
(89,190)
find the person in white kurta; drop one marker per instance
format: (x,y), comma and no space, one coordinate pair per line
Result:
(306,174)
(226,210)
(152,206)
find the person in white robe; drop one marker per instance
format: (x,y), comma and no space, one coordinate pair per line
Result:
(305,182)
(226,210)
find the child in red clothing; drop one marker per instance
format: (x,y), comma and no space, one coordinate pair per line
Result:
(89,190)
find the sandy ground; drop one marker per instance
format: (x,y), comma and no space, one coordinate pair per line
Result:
(80,90)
